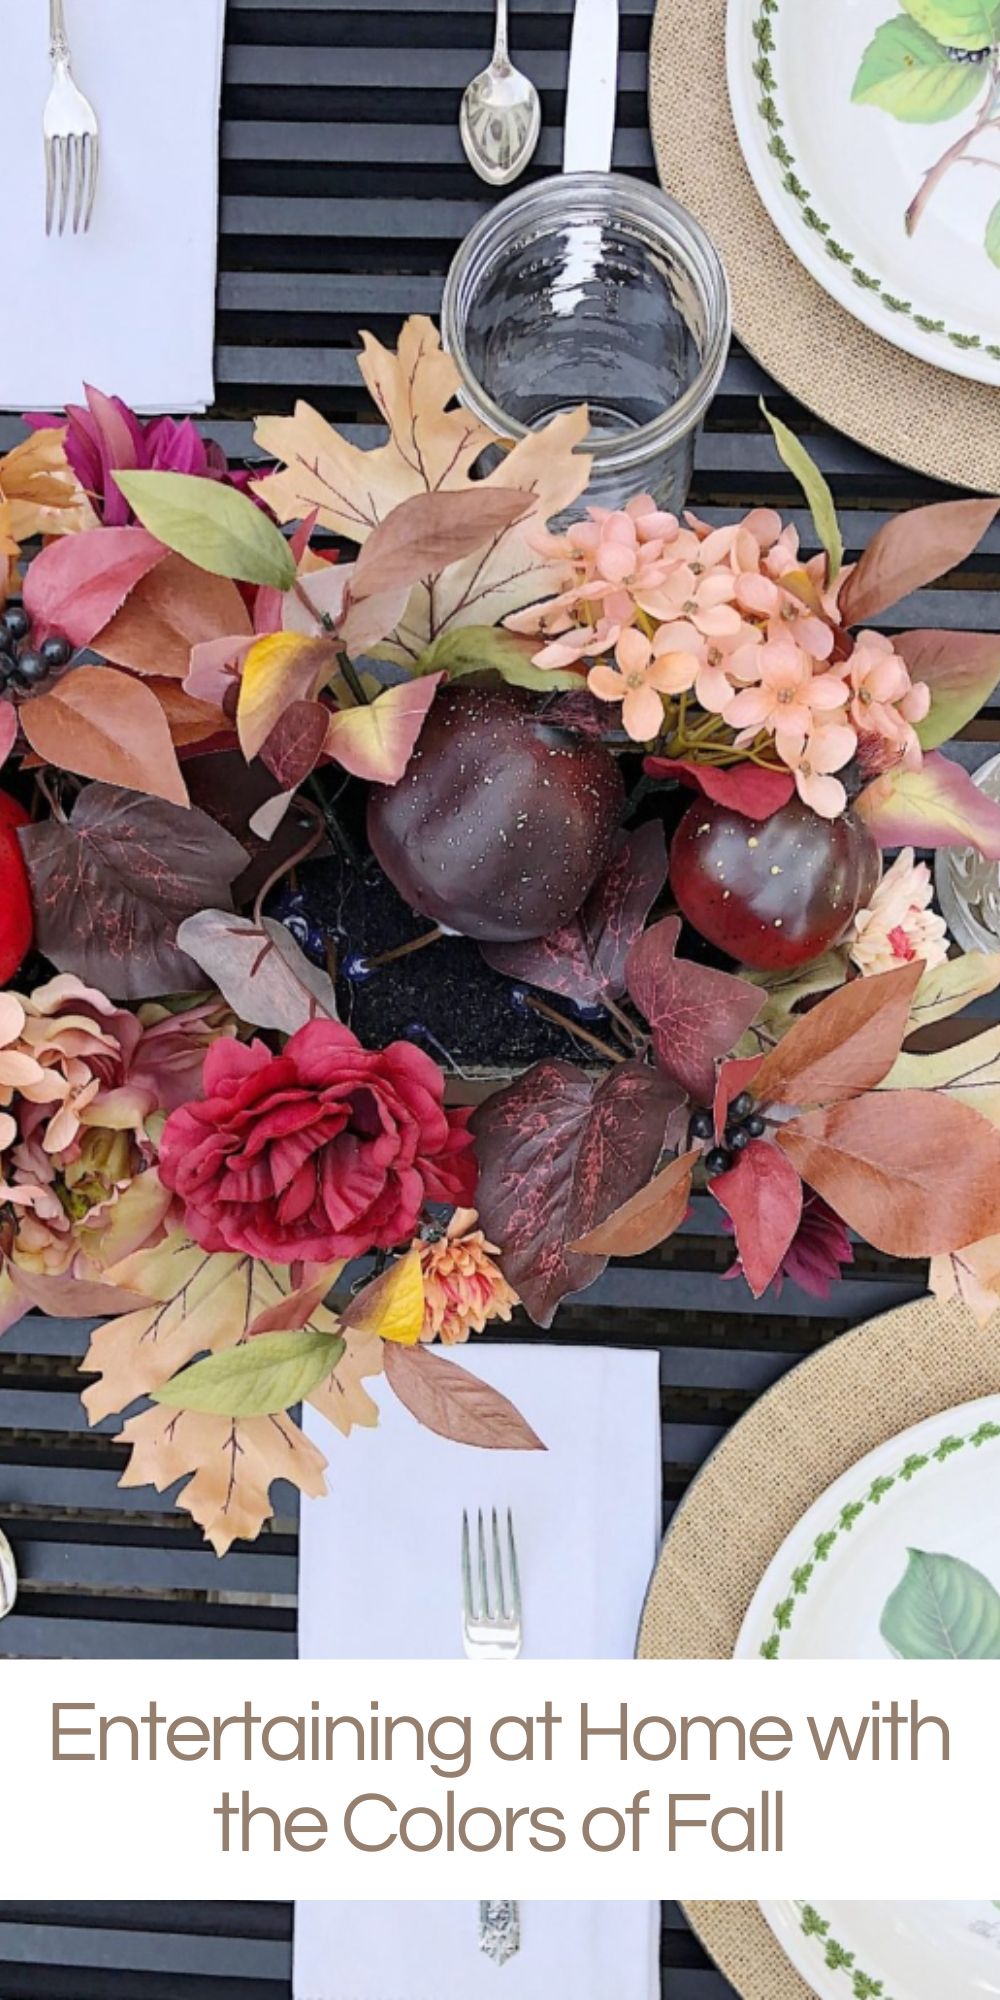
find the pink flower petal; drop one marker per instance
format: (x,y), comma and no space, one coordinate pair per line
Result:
(831,747)
(679,636)
(633,651)
(607,684)
(826,796)
(750,708)
(720,621)
(642,714)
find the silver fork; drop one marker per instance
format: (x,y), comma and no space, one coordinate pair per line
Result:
(72,138)
(491,1630)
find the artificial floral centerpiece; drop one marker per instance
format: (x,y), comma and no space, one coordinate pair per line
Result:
(647,767)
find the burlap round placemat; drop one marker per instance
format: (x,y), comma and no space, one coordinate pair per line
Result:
(814,1425)
(909,411)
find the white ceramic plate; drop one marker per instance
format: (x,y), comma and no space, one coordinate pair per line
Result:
(893,1951)
(857,116)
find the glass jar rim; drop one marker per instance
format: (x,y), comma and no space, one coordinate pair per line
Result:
(647,206)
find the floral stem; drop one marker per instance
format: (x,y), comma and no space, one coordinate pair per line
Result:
(328,625)
(573,1028)
(341,840)
(935,174)
(301,854)
(404,950)
(618,1014)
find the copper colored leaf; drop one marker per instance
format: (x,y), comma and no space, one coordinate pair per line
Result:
(557,1154)
(744,788)
(234,1462)
(695,1014)
(103,724)
(111,887)
(453,1404)
(433,446)
(585,959)
(259,969)
(376,742)
(914,1172)
(77,584)
(64,1297)
(649,1217)
(960,668)
(910,551)
(172,609)
(423,534)
(937,806)
(298,1307)
(762,1194)
(188,720)
(844,1045)
(734,1077)
(296,742)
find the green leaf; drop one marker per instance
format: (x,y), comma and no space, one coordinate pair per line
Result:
(942,1610)
(907,72)
(477,649)
(814,486)
(214,526)
(261,1376)
(993,235)
(959,24)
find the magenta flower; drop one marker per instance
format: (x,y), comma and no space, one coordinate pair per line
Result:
(107,437)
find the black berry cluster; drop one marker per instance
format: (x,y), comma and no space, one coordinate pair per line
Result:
(21,665)
(968,55)
(743,1123)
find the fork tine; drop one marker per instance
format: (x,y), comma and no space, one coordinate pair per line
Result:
(500,1583)
(63,172)
(50,186)
(467,1603)
(484,1581)
(94,158)
(79,146)
(515,1575)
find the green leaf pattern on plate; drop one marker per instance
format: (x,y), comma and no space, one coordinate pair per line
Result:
(907,72)
(943,1609)
(959,24)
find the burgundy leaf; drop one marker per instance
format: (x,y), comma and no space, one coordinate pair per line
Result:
(585,959)
(696,1014)
(295,744)
(649,1217)
(763,1196)
(744,788)
(454,1403)
(557,1153)
(111,886)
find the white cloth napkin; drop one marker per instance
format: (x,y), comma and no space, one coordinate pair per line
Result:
(586,1513)
(429,1951)
(130,306)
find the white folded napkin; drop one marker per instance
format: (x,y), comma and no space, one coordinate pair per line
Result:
(429,1951)
(130,306)
(586,1513)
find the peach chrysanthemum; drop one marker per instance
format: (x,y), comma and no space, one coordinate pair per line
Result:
(463,1288)
(899,923)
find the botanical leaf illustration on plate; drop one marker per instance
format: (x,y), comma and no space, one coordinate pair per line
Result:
(942,1609)
(928,66)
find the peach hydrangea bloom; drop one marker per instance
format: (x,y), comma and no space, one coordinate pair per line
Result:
(639,682)
(899,924)
(790,696)
(813,759)
(463,1288)
(882,699)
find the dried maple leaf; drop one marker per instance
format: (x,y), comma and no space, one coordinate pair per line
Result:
(971,1275)
(39,492)
(341,1398)
(234,1461)
(557,1153)
(433,445)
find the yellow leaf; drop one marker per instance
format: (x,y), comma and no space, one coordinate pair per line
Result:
(233,1460)
(279,669)
(433,445)
(969,1072)
(393,1305)
(946,989)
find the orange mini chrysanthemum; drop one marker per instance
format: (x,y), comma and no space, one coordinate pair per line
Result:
(463,1288)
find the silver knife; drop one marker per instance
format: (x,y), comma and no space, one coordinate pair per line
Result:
(592,90)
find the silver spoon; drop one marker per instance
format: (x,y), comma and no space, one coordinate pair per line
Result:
(500,117)
(8,1576)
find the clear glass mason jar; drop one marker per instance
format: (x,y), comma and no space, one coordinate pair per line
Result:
(593,288)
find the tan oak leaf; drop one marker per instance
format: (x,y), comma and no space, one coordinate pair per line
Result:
(972,1275)
(233,1460)
(341,1398)
(433,446)
(968,1071)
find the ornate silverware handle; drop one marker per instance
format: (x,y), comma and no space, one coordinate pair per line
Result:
(58,38)
(500,1931)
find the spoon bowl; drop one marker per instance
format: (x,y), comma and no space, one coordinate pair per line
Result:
(501,116)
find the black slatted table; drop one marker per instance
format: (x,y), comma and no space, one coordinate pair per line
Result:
(345,192)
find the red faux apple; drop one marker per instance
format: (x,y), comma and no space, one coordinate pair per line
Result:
(501,824)
(773,893)
(16,922)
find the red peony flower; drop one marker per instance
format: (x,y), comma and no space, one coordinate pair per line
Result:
(328,1150)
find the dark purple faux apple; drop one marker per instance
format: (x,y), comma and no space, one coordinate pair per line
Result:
(773,893)
(501,824)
